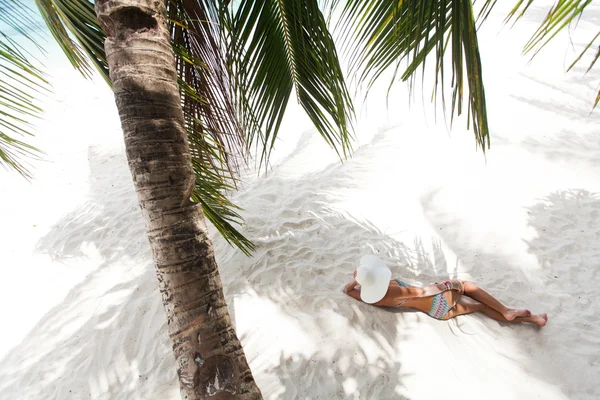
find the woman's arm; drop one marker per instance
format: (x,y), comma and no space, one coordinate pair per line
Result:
(355,294)
(351,290)
(349,287)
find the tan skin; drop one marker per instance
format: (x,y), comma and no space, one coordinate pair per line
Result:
(473,299)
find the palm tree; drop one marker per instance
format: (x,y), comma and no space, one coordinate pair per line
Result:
(198,83)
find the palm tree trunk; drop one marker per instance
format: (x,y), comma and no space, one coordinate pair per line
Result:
(210,359)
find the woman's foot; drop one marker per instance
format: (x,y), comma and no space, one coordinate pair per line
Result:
(513,313)
(539,320)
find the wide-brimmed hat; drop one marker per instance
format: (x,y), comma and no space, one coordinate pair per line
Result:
(374,278)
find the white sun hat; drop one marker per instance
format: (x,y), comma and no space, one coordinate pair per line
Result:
(374,278)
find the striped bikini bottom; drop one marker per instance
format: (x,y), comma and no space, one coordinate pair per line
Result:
(439,306)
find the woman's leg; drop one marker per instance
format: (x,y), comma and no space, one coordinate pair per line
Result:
(539,319)
(475,292)
(467,305)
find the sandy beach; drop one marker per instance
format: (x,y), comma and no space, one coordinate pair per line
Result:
(82,317)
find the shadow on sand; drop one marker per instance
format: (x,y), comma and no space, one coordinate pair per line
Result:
(567,248)
(108,339)
(103,340)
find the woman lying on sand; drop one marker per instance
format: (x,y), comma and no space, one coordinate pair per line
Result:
(440,301)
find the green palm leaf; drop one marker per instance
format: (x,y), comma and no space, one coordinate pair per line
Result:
(215,136)
(21,82)
(279,45)
(560,16)
(78,18)
(387,33)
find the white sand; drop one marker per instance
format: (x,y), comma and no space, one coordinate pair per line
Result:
(82,318)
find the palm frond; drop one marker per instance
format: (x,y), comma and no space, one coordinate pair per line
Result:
(20,18)
(21,82)
(276,46)
(561,15)
(78,18)
(389,32)
(215,136)
(210,191)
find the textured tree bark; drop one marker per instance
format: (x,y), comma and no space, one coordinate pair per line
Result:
(210,359)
